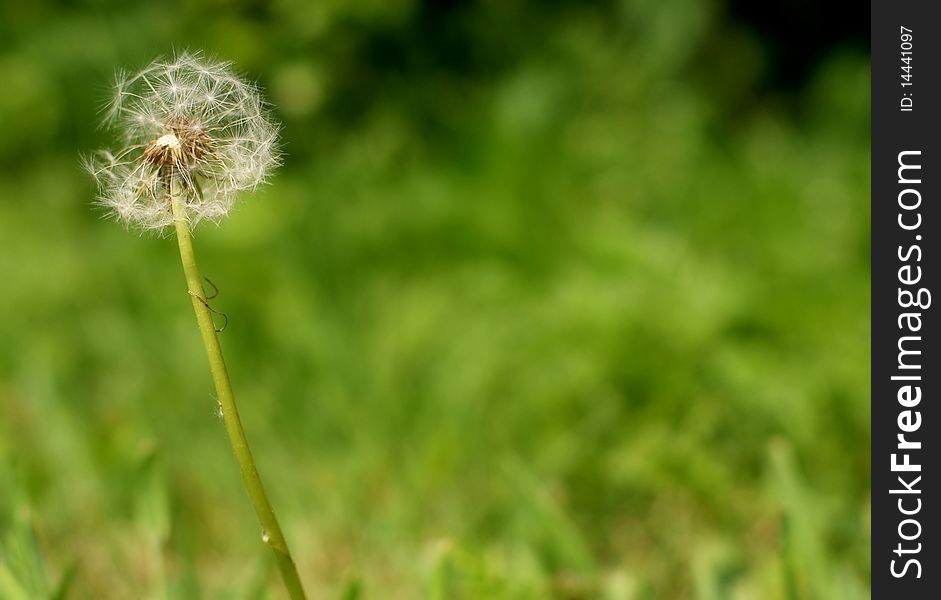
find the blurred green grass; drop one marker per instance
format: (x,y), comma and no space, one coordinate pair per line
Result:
(554,311)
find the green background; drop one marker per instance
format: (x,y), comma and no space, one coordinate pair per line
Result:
(549,300)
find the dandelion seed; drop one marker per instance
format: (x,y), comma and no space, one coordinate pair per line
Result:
(191,120)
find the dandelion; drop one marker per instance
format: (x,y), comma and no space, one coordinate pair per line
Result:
(194,135)
(189,122)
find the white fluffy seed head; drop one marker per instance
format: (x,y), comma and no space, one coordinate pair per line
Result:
(191,119)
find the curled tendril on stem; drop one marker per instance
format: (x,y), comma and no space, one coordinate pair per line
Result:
(225,317)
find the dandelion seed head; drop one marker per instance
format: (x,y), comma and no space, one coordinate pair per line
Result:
(191,119)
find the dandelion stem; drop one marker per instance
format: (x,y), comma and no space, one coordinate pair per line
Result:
(271,531)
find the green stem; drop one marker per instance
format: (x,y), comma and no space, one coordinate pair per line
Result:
(271,531)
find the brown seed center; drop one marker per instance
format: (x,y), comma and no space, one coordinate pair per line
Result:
(181,147)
